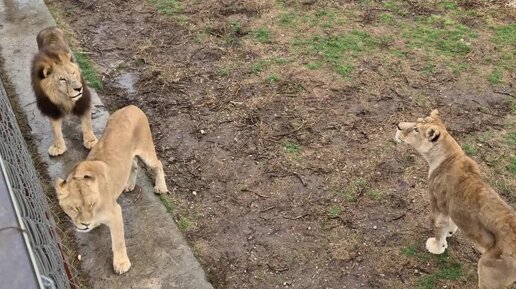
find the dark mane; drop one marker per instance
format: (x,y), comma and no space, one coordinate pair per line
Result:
(49,57)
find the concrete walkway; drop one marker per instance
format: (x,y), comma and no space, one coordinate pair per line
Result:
(159,255)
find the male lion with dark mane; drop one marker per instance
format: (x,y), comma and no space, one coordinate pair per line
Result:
(60,88)
(460,198)
(89,193)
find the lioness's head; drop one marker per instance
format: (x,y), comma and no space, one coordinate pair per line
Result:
(79,196)
(423,134)
(58,74)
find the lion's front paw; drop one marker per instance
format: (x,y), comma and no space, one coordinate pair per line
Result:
(129,187)
(121,265)
(56,150)
(160,189)
(433,246)
(89,141)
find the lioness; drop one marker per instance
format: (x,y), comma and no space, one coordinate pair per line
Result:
(460,198)
(60,88)
(89,193)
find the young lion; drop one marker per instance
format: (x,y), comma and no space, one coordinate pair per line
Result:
(460,198)
(60,88)
(89,193)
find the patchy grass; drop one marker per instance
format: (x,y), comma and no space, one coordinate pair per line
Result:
(334,212)
(451,39)
(447,269)
(262,35)
(512,165)
(88,72)
(184,224)
(495,76)
(166,203)
(470,149)
(291,148)
(355,189)
(338,49)
(273,78)
(223,71)
(505,35)
(168,7)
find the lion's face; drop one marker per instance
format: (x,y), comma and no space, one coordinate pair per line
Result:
(61,77)
(79,198)
(423,134)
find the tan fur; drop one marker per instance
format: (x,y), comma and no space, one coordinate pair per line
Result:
(459,197)
(59,87)
(89,194)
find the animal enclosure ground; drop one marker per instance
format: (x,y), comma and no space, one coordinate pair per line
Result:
(275,120)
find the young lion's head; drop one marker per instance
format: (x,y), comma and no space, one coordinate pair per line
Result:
(79,195)
(55,73)
(424,134)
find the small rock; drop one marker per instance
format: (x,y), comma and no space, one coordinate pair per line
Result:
(203,131)
(374,227)
(194,193)
(79,257)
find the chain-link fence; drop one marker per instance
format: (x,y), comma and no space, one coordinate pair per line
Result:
(32,201)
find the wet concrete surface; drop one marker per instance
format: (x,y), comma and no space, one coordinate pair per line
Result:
(159,255)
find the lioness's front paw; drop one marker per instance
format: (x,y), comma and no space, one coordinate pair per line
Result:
(89,141)
(129,187)
(433,246)
(160,189)
(121,265)
(56,150)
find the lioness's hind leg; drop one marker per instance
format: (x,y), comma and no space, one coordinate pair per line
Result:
(495,272)
(131,182)
(151,160)
(59,146)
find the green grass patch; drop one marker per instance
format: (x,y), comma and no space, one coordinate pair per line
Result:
(166,203)
(448,269)
(291,148)
(356,188)
(505,35)
(184,224)
(87,70)
(512,165)
(374,194)
(409,251)
(167,7)
(259,66)
(273,78)
(339,49)
(314,65)
(334,212)
(450,40)
(262,35)
(495,77)
(469,149)
(511,138)
(223,71)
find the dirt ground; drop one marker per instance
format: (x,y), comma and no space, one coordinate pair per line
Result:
(281,158)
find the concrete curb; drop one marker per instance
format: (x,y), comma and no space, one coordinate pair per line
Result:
(159,255)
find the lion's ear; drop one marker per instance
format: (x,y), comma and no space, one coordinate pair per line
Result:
(435,114)
(61,190)
(84,175)
(45,71)
(433,133)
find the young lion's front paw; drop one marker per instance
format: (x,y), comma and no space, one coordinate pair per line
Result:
(433,246)
(89,141)
(56,150)
(160,189)
(129,187)
(121,265)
